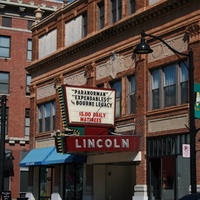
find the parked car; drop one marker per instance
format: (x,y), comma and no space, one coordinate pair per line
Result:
(195,196)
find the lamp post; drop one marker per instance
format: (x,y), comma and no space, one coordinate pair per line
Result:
(2,143)
(144,48)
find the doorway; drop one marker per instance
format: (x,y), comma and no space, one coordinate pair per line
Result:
(46,176)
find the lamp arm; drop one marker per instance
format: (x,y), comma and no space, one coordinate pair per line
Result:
(143,34)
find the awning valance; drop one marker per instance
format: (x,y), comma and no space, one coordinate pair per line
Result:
(49,156)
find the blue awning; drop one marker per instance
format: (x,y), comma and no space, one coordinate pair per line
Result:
(36,156)
(49,156)
(58,158)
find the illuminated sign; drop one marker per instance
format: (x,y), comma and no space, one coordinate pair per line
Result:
(102,143)
(90,106)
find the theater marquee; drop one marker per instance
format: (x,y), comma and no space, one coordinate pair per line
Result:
(103,143)
(90,106)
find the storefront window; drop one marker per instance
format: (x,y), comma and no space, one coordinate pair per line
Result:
(73,182)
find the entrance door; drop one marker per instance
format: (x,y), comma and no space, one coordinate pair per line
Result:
(162,178)
(46,175)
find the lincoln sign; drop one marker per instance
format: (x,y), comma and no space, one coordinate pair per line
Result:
(89,106)
(102,143)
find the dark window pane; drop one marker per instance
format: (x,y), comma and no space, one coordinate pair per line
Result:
(184,92)
(84,24)
(131,6)
(170,95)
(101,15)
(6,21)
(155,97)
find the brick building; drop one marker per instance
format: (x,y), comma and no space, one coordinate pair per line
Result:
(90,44)
(16,18)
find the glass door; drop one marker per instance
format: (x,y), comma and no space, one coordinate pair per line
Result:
(46,175)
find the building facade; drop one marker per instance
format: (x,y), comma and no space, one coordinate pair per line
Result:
(90,44)
(16,18)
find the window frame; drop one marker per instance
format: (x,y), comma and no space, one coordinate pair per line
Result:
(7,83)
(117,85)
(116,10)
(27,122)
(29,50)
(101,15)
(6,21)
(28,83)
(46,118)
(162,87)
(131,7)
(84,24)
(131,94)
(5,46)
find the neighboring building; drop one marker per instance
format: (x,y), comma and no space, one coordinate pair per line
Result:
(90,44)
(16,18)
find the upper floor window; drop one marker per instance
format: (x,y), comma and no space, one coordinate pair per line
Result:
(7,21)
(116,10)
(101,15)
(4,46)
(76,29)
(48,43)
(4,82)
(27,122)
(46,116)
(30,23)
(131,94)
(117,85)
(131,6)
(169,85)
(29,49)
(28,83)
(85,24)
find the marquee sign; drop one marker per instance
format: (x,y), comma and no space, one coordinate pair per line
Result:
(90,106)
(103,143)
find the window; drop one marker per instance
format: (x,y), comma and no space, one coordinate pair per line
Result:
(4,82)
(4,46)
(169,85)
(77,25)
(184,83)
(27,122)
(6,122)
(28,83)
(30,23)
(46,116)
(131,6)
(29,49)
(6,21)
(116,10)
(101,15)
(131,94)
(118,87)
(48,43)
(84,24)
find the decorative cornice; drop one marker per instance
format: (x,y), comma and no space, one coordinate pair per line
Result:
(109,33)
(193,32)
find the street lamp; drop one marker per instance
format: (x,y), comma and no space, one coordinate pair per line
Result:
(144,48)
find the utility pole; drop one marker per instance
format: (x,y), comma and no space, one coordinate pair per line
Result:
(2,143)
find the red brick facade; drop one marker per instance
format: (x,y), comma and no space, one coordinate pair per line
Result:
(17,100)
(175,22)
